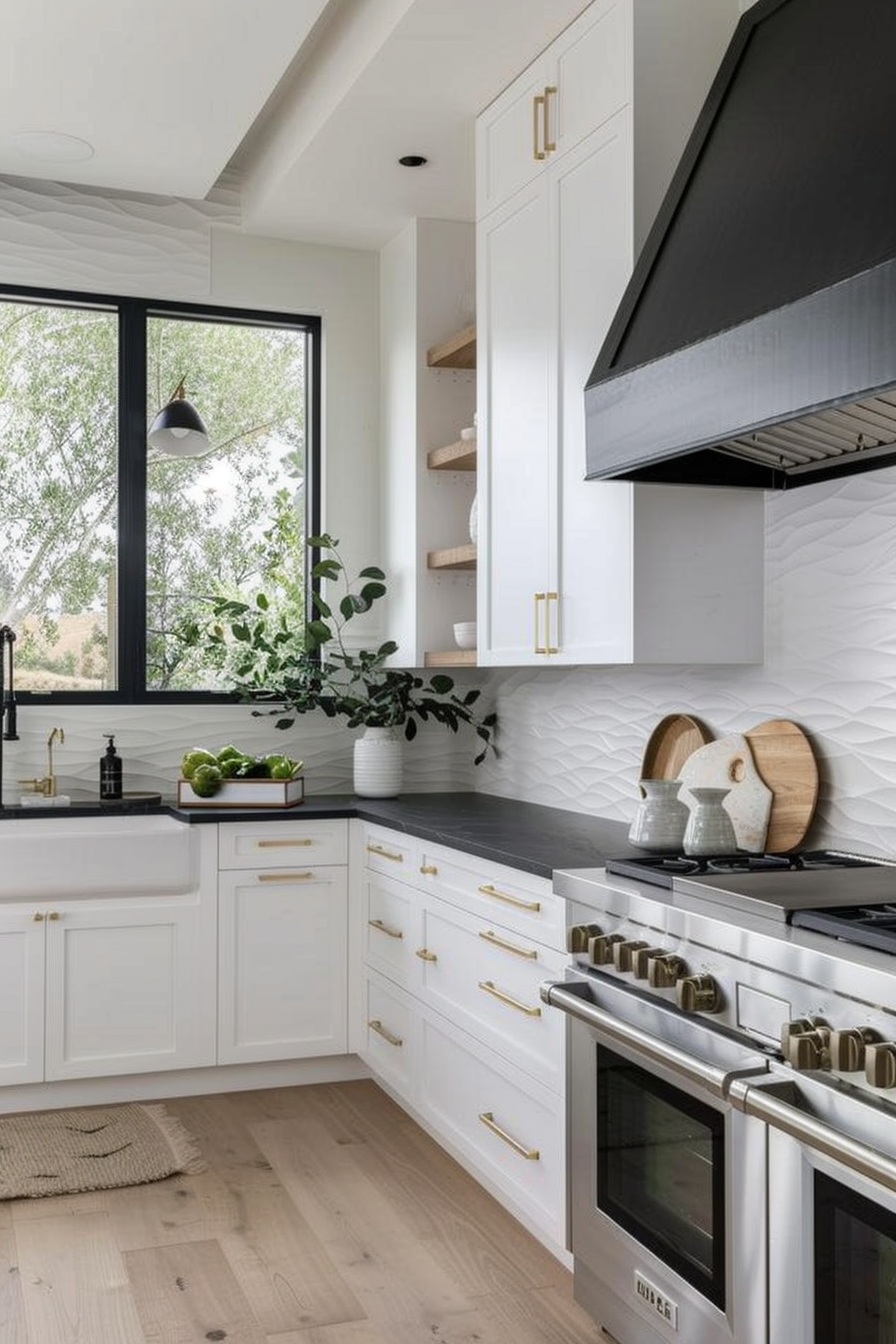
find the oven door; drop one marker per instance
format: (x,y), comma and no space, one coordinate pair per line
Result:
(667,1181)
(832,1210)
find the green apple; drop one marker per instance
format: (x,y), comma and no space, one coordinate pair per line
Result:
(198,756)
(206,780)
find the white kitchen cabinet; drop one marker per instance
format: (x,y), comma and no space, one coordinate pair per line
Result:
(113,985)
(453,949)
(282,966)
(573,571)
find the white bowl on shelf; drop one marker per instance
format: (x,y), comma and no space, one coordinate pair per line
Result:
(465,634)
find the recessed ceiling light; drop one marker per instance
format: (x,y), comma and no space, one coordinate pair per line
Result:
(412,161)
(52,146)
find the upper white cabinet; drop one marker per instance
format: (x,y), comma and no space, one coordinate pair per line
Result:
(571,159)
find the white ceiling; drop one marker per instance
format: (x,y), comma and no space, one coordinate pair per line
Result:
(308,102)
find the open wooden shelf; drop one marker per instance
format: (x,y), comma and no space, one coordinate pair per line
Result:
(451,658)
(459,456)
(458,352)
(452,557)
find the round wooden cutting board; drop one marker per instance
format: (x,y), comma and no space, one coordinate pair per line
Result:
(786,762)
(670,744)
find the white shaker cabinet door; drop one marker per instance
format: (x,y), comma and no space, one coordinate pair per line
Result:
(282,964)
(21,993)
(517,420)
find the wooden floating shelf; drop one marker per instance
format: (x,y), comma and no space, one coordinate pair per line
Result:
(451,658)
(452,557)
(458,352)
(459,456)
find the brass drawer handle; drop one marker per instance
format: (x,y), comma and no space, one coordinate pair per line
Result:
(385,853)
(488,890)
(491,988)
(376,1025)
(489,937)
(285,877)
(425,955)
(530,1154)
(384,928)
(294,842)
(429,870)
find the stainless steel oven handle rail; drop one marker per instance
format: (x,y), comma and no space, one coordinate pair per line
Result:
(764,1103)
(574,1002)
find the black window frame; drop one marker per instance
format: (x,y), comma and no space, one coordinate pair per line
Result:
(133,313)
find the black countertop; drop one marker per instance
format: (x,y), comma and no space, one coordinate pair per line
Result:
(527,836)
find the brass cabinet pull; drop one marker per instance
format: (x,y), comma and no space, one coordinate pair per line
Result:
(425,955)
(284,876)
(293,842)
(384,928)
(530,1154)
(491,988)
(537,102)
(549,144)
(54,914)
(385,853)
(529,953)
(488,890)
(37,917)
(429,870)
(549,598)
(376,1025)
(539,598)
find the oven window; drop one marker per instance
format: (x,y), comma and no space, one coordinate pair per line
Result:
(661,1170)
(855,1267)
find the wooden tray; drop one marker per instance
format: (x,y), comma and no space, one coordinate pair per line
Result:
(787,764)
(670,744)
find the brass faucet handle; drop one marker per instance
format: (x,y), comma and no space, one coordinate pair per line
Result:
(43,786)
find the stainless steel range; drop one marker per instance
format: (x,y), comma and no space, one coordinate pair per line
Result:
(732,1098)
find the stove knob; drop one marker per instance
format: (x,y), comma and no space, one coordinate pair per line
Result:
(698,994)
(880,1064)
(664,971)
(798,1027)
(848,1048)
(578,936)
(600,948)
(642,959)
(810,1049)
(624,952)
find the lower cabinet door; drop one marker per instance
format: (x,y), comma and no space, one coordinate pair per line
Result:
(508,1127)
(282,964)
(389,1034)
(130,986)
(21,994)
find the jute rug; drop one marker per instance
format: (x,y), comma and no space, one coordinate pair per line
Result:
(61,1152)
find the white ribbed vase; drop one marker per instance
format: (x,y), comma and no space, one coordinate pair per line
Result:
(377,763)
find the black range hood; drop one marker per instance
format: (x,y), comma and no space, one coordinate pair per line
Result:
(755,344)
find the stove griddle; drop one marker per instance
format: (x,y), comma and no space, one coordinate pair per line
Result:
(778,895)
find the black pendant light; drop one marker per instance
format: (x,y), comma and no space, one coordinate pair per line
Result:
(177,430)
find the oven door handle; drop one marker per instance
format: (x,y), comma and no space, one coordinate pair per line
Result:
(574,1000)
(767,1103)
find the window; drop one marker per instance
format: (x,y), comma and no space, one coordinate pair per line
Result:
(111,551)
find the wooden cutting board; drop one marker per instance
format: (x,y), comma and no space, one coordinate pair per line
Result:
(670,744)
(728,764)
(787,764)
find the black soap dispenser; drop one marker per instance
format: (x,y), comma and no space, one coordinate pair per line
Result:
(110,772)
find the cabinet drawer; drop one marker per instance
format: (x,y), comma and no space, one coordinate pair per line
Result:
(486,980)
(391,929)
(389,852)
(387,1034)
(517,900)
(509,1128)
(282,844)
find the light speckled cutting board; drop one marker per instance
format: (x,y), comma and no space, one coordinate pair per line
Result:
(728,764)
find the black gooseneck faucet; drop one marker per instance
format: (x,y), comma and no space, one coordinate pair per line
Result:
(7,695)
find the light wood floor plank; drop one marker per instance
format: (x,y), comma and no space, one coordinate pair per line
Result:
(394,1277)
(12,1307)
(74,1285)
(187,1293)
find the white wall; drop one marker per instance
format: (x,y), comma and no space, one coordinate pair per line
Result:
(89,241)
